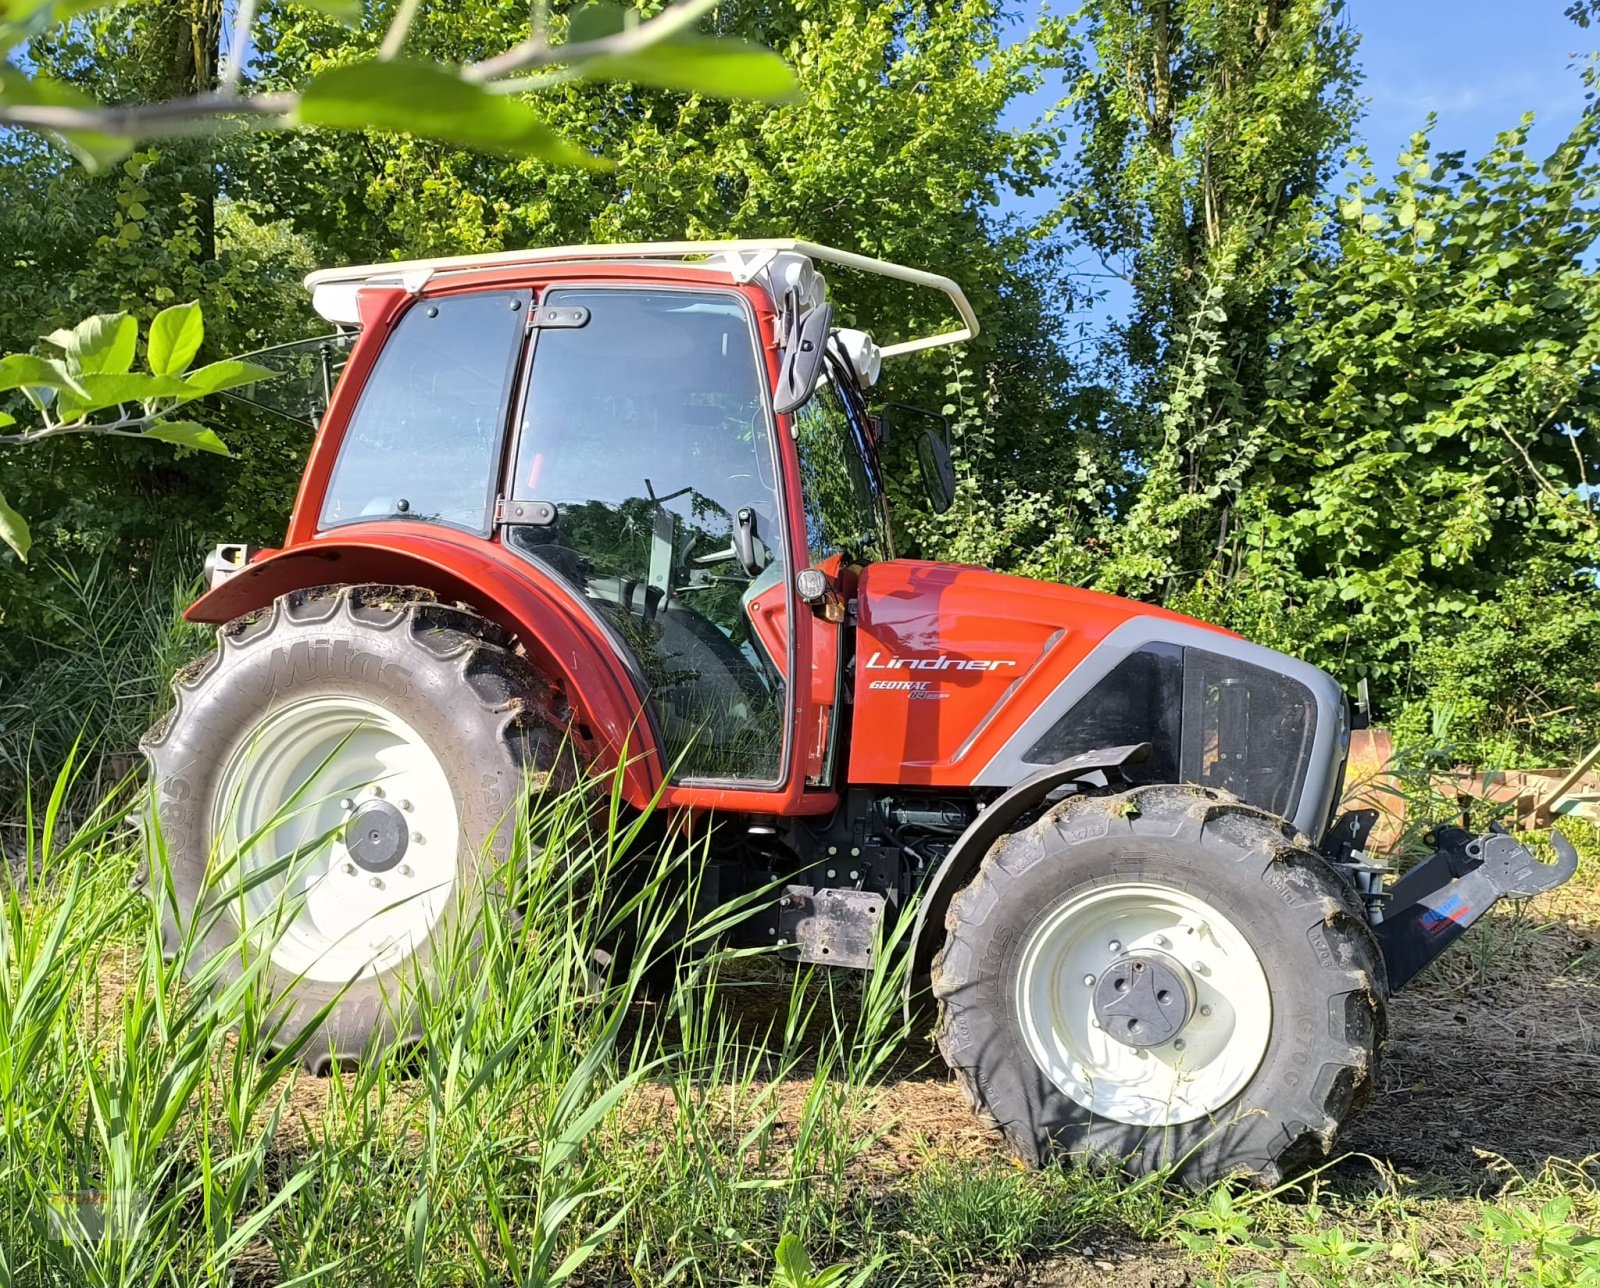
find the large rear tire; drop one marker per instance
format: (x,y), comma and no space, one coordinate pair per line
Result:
(358,756)
(1165,978)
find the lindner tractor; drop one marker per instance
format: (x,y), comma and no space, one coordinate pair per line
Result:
(629,499)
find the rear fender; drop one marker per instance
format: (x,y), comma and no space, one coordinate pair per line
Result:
(606,710)
(1098,768)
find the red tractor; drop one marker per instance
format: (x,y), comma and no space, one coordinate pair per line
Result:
(631,497)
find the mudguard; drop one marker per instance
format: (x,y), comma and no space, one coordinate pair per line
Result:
(1098,768)
(572,651)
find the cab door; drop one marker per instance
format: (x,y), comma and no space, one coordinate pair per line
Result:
(645,477)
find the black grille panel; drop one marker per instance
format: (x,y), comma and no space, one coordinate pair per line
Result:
(1214,721)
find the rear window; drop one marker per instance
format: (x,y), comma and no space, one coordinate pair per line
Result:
(426,437)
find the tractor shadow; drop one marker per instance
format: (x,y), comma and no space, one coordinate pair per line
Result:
(1493,1059)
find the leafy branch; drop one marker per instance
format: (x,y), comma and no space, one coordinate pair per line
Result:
(91,388)
(476,104)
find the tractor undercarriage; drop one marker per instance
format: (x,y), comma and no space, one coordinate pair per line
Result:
(845,875)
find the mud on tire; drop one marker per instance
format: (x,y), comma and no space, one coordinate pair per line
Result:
(449,674)
(1322,967)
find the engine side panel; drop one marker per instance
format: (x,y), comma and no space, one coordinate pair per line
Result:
(951,660)
(968,678)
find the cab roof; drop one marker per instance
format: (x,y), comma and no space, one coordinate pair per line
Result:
(784,267)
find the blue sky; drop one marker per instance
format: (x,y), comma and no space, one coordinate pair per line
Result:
(1479,64)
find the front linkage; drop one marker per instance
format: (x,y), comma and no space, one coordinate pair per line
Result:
(1431,906)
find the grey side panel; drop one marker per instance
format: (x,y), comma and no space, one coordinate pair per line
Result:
(1330,741)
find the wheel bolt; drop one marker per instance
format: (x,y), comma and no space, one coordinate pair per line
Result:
(405,869)
(1200,969)
(1163,942)
(1115,945)
(406,805)
(377,792)
(1094,1024)
(347,805)
(1177,1044)
(376,883)
(1206,1009)
(1088,981)
(416,838)
(349,869)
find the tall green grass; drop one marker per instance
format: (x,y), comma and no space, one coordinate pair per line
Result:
(553,1126)
(93,670)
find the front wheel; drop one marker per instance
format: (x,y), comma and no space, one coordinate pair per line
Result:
(1166,978)
(334,789)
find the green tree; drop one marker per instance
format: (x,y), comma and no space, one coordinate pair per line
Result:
(1427,448)
(1205,128)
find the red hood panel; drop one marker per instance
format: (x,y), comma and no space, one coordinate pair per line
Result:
(950,660)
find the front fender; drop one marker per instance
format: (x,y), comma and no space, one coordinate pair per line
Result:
(569,648)
(1091,769)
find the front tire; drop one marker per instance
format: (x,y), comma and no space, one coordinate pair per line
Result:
(1266,1034)
(336,786)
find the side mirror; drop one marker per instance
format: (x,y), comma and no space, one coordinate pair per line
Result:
(804,349)
(938,471)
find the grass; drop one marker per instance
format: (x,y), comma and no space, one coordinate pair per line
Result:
(100,676)
(556,1127)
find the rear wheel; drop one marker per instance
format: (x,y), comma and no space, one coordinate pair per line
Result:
(336,786)
(1164,978)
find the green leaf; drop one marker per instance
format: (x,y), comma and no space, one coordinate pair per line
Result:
(345,11)
(26,370)
(175,337)
(21,20)
(94,149)
(230,373)
(14,530)
(102,343)
(98,390)
(186,433)
(725,68)
(425,99)
(596,21)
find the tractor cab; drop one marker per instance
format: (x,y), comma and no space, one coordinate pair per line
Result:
(666,436)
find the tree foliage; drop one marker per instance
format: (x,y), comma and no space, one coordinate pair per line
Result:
(1347,412)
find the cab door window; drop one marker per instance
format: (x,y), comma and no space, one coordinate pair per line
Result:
(646,431)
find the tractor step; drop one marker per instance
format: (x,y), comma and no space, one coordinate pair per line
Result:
(1433,904)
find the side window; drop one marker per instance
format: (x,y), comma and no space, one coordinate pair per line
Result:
(424,441)
(646,431)
(844,513)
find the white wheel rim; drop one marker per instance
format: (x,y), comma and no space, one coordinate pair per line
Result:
(1206,1065)
(312,766)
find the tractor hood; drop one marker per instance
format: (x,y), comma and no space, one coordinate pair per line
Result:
(970,678)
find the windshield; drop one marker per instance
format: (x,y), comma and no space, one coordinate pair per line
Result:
(646,431)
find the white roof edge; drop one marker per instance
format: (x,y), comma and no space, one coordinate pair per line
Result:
(415,274)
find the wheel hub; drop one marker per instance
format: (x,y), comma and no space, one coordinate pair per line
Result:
(343,826)
(1143,999)
(377,836)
